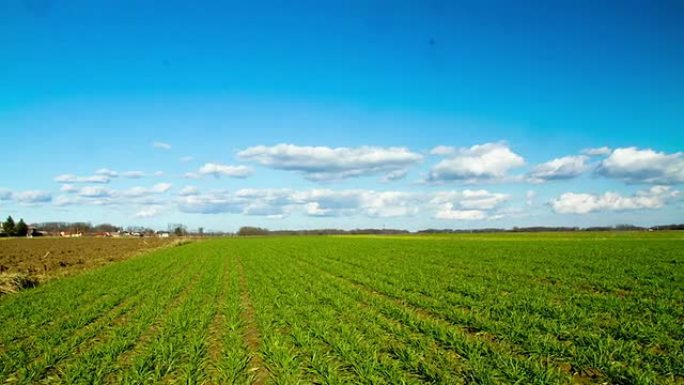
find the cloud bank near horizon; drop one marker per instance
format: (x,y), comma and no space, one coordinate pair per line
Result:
(447,184)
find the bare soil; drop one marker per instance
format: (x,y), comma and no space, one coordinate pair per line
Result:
(51,257)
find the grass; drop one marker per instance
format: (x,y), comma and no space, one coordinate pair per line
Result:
(555,308)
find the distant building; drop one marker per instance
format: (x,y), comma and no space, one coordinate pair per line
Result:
(163,234)
(67,234)
(34,232)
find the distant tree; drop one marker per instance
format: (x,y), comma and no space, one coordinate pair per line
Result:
(248,230)
(81,227)
(200,231)
(21,229)
(106,227)
(179,231)
(8,226)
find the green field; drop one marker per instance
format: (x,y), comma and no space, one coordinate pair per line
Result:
(485,309)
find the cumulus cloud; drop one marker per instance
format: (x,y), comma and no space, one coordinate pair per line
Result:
(144,191)
(390,204)
(107,172)
(582,203)
(567,167)
(351,202)
(598,151)
(482,162)
(148,212)
(218,170)
(161,145)
(68,188)
(188,190)
(133,174)
(94,192)
(100,196)
(466,204)
(633,165)
(448,212)
(103,175)
(70,178)
(29,197)
(5,194)
(32,197)
(209,203)
(394,175)
(326,202)
(325,163)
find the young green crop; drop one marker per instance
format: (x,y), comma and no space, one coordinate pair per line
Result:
(555,308)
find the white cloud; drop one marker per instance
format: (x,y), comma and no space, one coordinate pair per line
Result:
(103,175)
(32,197)
(529,197)
(582,203)
(394,175)
(567,167)
(107,172)
(470,199)
(192,175)
(336,203)
(598,151)
(65,200)
(138,191)
(447,212)
(68,188)
(25,197)
(70,178)
(133,174)
(483,162)
(443,151)
(186,158)
(148,212)
(95,192)
(325,163)
(5,194)
(466,204)
(325,202)
(643,166)
(209,203)
(161,145)
(188,190)
(99,196)
(161,187)
(218,170)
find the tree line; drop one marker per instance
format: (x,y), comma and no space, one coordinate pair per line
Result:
(11,229)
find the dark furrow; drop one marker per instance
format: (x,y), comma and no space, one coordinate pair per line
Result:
(252,336)
(216,328)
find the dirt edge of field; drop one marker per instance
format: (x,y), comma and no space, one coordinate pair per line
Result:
(15,281)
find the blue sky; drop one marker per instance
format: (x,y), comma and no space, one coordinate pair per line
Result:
(342,114)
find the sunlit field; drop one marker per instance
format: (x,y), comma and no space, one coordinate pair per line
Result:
(469,308)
